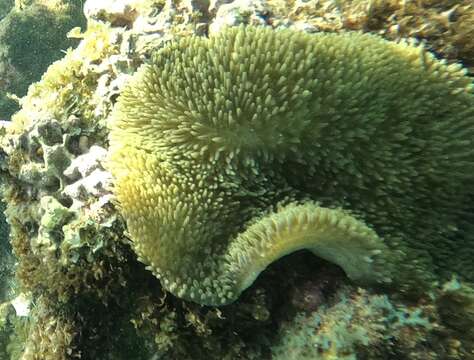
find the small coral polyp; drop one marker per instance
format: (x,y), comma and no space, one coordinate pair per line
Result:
(231,151)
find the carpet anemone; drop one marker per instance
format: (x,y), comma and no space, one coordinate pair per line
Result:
(231,151)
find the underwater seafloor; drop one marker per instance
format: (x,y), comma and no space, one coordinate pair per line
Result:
(71,284)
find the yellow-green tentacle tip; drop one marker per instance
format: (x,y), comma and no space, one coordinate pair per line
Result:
(331,234)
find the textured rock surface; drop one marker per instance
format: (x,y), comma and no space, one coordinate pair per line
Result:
(32,36)
(118,13)
(351,321)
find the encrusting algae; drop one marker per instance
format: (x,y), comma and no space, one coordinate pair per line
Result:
(232,151)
